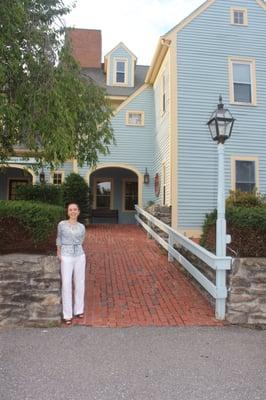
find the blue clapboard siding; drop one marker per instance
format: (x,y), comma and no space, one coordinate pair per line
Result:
(134,145)
(203,48)
(67,168)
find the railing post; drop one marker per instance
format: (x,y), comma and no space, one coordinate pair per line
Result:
(170,243)
(148,233)
(221,289)
(220,237)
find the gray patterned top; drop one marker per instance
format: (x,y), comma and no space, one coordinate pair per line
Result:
(70,238)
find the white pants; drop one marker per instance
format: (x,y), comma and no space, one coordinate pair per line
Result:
(73,266)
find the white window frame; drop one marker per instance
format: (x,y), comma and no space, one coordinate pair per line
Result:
(125,61)
(245,15)
(124,181)
(163,94)
(10,179)
(102,179)
(128,122)
(252,63)
(57,173)
(255,159)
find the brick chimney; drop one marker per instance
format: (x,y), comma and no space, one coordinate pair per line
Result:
(86,46)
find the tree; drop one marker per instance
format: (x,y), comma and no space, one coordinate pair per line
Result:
(76,190)
(46,105)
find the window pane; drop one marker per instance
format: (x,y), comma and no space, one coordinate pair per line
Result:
(239,17)
(245,175)
(241,73)
(103,194)
(245,187)
(120,77)
(131,195)
(13,184)
(134,118)
(120,66)
(57,179)
(242,93)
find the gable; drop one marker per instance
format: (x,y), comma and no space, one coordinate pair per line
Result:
(119,65)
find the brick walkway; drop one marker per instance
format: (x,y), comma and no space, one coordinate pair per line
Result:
(129,282)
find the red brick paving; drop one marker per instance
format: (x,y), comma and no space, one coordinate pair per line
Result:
(129,282)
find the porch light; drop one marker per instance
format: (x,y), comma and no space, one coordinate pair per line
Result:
(221,123)
(146,177)
(42,176)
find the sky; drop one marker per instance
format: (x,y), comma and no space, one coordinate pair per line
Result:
(137,23)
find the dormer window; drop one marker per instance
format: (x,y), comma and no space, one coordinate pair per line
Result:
(239,16)
(119,66)
(121,73)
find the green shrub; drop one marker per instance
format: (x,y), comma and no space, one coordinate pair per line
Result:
(38,219)
(44,193)
(76,190)
(247,227)
(245,199)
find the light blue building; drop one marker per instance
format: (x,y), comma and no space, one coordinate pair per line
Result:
(163,150)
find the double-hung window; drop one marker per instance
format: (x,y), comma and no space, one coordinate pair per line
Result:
(120,71)
(239,16)
(57,178)
(245,173)
(242,81)
(103,193)
(130,194)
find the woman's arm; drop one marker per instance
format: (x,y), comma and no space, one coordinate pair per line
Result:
(58,241)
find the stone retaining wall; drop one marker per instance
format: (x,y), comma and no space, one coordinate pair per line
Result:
(30,293)
(247,296)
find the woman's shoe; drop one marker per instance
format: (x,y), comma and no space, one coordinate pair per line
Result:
(68,321)
(79,316)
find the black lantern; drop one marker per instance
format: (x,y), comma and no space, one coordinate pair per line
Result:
(221,123)
(146,177)
(42,176)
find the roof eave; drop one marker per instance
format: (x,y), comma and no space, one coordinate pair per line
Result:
(157,60)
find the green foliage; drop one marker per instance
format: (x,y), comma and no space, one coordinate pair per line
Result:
(76,190)
(45,193)
(46,105)
(39,219)
(245,199)
(247,227)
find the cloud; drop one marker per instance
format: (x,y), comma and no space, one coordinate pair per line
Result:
(137,23)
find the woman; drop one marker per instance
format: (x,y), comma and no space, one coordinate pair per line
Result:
(70,236)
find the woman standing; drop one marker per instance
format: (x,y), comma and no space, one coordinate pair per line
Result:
(70,236)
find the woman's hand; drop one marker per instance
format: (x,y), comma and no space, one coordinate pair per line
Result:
(58,253)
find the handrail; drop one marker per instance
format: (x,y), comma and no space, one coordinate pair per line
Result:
(219,264)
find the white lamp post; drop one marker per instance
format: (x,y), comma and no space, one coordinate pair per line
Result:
(220,126)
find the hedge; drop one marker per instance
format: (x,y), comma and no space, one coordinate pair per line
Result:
(38,219)
(45,193)
(247,227)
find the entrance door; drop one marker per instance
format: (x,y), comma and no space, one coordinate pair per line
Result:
(13,184)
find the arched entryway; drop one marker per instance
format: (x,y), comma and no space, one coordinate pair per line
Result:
(11,178)
(115,191)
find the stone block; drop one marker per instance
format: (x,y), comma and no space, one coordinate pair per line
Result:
(236,317)
(51,299)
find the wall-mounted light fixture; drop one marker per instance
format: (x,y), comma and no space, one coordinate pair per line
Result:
(42,176)
(146,177)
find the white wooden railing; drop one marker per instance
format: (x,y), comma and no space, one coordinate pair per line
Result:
(219,264)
